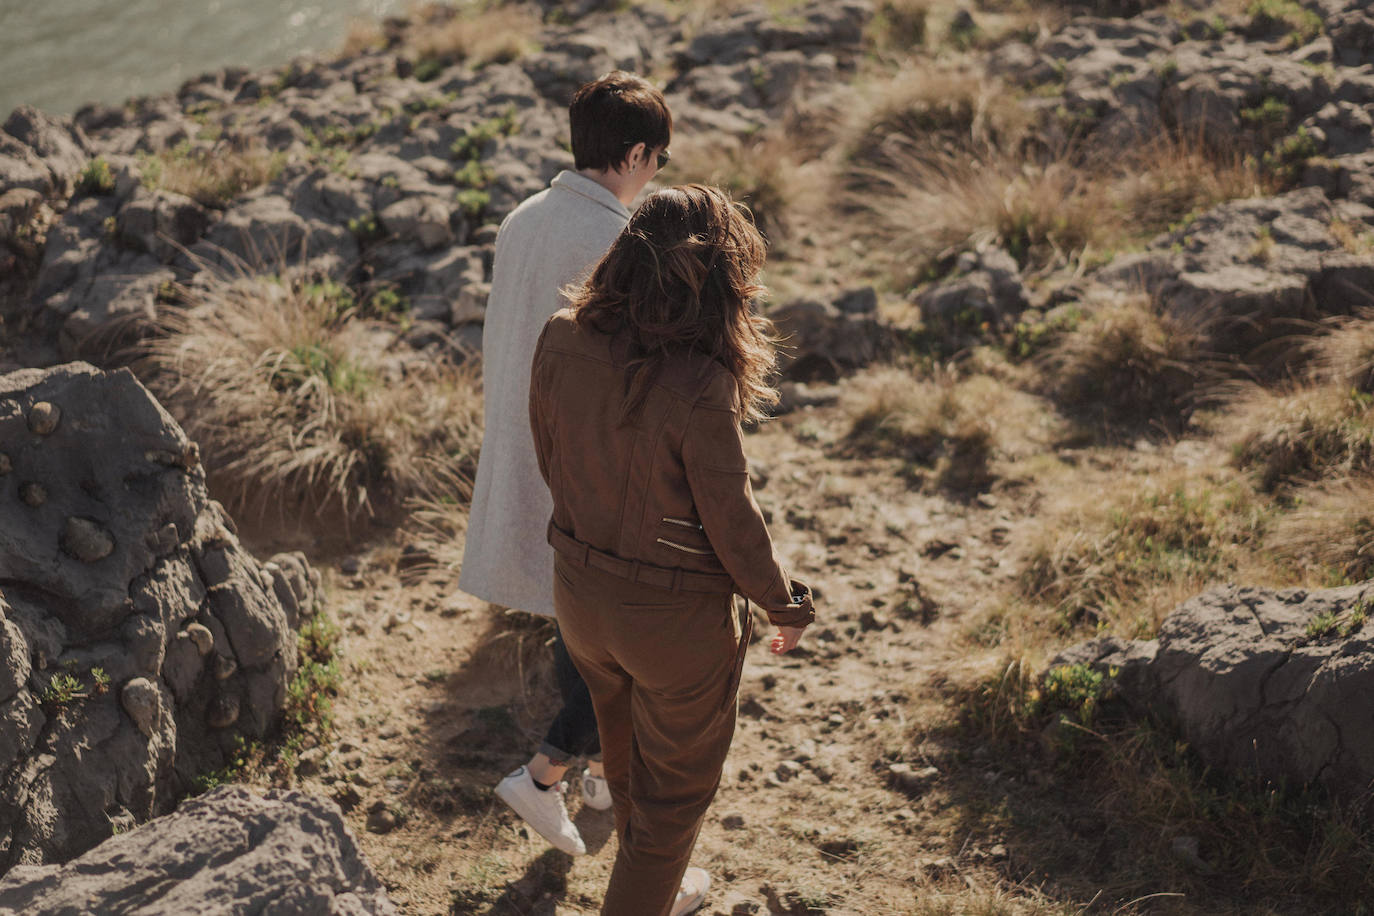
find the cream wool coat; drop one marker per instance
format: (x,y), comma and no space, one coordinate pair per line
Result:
(547,242)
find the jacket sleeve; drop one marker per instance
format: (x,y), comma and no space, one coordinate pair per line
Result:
(718,474)
(543,436)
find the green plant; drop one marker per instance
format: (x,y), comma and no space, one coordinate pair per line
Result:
(96,177)
(473,201)
(473,174)
(1285,161)
(100,679)
(1269,118)
(428,68)
(1302,24)
(1323,624)
(387,303)
(366,228)
(62,690)
(473,142)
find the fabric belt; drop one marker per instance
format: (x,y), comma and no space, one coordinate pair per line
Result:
(675,580)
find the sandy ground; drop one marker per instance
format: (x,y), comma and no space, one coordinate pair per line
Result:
(444,695)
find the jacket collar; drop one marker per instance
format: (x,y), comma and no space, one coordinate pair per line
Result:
(583,186)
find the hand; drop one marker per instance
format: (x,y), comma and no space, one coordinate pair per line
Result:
(785,640)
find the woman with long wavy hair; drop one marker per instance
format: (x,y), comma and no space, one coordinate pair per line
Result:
(637,396)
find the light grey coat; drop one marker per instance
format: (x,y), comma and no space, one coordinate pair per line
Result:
(550,240)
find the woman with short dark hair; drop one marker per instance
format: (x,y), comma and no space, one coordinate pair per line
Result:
(637,396)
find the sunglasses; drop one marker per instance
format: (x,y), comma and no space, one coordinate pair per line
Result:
(664,157)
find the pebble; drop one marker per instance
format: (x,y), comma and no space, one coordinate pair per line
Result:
(381,819)
(5,464)
(224,711)
(732,821)
(788,770)
(86,540)
(44,417)
(909,779)
(33,494)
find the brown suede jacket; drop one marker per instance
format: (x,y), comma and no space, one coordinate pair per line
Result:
(668,491)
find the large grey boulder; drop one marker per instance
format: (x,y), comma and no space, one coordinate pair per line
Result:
(1274,683)
(228,852)
(139,642)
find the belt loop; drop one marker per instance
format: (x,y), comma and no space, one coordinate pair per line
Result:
(677,578)
(586,552)
(634,570)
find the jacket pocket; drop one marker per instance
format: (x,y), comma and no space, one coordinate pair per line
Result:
(697,551)
(682,523)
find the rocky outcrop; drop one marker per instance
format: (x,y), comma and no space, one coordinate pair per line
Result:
(372,170)
(823,340)
(1254,270)
(1274,683)
(227,852)
(139,642)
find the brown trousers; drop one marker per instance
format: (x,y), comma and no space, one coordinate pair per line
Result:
(663,671)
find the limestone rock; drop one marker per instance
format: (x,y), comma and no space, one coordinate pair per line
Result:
(1256,685)
(119,570)
(1250,269)
(227,852)
(821,342)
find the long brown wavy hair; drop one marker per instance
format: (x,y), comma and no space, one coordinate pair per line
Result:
(683,274)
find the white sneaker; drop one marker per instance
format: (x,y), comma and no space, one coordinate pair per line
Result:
(596,791)
(692,894)
(542,809)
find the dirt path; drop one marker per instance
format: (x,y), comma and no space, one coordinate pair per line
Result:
(444,696)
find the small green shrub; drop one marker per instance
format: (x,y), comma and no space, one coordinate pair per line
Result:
(427,69)
(473,143)
(367,228)
(96,177)
(473,202)
(1302,24)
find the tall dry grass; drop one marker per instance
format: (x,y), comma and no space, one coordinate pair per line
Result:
(480,35)
(211,177)
(1120,562)
(948,426)
(297,407)
(1318,426)
(941,160)
(760,172)
(1129,364)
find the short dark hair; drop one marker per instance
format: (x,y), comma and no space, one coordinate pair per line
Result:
(611,114)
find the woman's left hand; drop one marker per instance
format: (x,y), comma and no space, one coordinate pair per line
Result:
(785,640)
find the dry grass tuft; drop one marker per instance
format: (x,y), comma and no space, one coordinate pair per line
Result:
(898,25)
(1110,787)
(759,172)
(1120,565)
(928,205)
(945,107)
(1331,533)
(212,177)
(485,35)
(939,161)
(1319,426)
(1129,365)
(947,425)
(292,400)
(363,35)
(1302,433)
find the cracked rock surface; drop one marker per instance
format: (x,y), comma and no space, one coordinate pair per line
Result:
(125,597)
(1273,683)
(228,852)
